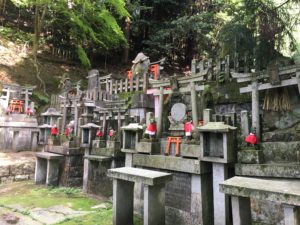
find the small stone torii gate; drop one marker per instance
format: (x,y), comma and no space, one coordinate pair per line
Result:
(275,82)
(191,87)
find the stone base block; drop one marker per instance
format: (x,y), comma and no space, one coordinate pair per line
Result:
(250,156)
(190,150)
(109,152)
(148,147)
(99,144)
(113,144)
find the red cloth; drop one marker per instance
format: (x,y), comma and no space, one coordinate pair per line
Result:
(152,127)
(111,133)
(99,133)
(29,111)
(251,139)
(67,132)
(188,127)
(54,131)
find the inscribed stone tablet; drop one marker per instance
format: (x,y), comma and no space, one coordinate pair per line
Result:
(178,111)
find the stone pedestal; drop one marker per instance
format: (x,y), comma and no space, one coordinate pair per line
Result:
(190,150)
(150,147)
(154,195)
(47,168)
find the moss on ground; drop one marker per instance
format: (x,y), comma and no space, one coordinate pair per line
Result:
(30,196)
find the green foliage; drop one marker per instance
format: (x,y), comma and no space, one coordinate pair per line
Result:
(40,98)
(16,36)
(86,26)
(83,57)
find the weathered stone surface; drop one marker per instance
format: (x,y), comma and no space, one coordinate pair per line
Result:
(250,156)
(4,171)
(148,147)
(7,179)
(171,163)
(178,192)
(21,177)
(281,151)
(189,150)
(113,144)
(109,152)
(148,177)
(268,170)
(277,190)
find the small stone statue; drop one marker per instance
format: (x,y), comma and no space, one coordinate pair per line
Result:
(54,131)
(111,133)
(99,134)
(188,128)
(251,140)
(151,129)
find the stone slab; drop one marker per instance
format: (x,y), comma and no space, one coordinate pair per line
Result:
(250,156)
(97,158)
(65,150)
(268,170)
(148,177)
(283,191)
(48,155)
(110,152)
(171,163)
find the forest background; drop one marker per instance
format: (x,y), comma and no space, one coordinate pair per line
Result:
(68,37)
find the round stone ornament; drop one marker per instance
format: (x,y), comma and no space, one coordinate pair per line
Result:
(178,111)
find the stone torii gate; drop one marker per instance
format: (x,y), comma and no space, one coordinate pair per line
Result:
(274,75)
(190,86)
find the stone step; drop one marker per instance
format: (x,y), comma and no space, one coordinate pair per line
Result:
(282,170)
(281,151)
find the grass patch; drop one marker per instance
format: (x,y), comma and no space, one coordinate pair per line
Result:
(31,196)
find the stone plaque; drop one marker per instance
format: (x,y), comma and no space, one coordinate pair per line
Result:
(178,111)
(178,192)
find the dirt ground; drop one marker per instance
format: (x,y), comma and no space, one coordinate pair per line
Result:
(16,158)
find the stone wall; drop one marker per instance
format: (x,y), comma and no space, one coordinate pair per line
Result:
(98,182)
(17,172)
(72,171)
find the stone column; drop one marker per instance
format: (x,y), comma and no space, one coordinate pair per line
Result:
(122,202)
(75,117)
(241,210)
(86,165)
(207,115)
(111,86)
(298,79)
(160,111)
(104,124)
(63,124)
(221,201)
(194,104)
(291,214)
(154,204)
(255,109)
(245,123)
(202,198)
(40,171)
(26,99)
(52,172)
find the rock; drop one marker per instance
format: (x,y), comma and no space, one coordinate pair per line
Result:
(10,219)
(101,206)
(21,177)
